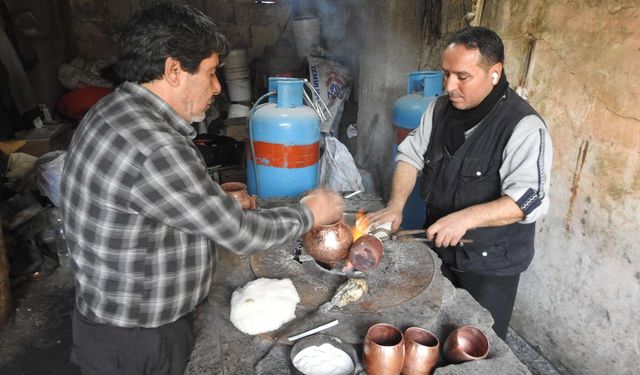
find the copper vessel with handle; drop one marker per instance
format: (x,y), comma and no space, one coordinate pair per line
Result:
(328,243)
(238,191)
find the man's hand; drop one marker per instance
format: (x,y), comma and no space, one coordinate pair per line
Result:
(449,230)
(404,179)
(391,214)
(326,206)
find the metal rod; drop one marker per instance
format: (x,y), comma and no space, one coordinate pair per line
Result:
(352,194)
(313,105)
(408,239)
(314,330)
(409,232)
(317,94)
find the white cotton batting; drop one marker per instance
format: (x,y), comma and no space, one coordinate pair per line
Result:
(263,305)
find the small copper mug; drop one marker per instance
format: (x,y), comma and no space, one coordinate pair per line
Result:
(383,350)
(421,351)
(366,253)
(466,343)
(238,191)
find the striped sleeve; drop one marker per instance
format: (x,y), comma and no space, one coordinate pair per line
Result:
(174,189)
(526,167)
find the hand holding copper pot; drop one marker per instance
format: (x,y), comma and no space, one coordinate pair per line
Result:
(238,191)
(326,206)
(383,350)
(466,343)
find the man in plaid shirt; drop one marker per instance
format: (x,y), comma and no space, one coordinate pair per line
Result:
(139,209)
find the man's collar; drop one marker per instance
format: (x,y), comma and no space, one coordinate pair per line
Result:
(160,106)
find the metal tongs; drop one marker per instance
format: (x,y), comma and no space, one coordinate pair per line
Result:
(406,235)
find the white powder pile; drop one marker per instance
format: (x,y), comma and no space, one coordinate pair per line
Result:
(263,305)
(325,359)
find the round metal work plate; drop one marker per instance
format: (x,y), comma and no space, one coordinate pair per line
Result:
(405,271)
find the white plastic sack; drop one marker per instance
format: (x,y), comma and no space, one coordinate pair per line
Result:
(19,166)
(338,170)
(81,73)
(48,171)
(333,83)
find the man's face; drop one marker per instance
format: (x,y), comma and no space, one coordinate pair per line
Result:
(466,80)
(200,88)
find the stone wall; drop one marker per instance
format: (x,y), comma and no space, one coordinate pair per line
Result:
(44,44)
(579,300)
(391,42)
(96,23)
(90,29)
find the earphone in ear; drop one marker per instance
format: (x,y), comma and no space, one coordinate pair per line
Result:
(494,75)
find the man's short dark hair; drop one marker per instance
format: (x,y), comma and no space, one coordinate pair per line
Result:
(164,30)
(483,39)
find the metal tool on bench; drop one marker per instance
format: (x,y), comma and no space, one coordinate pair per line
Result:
(405,235)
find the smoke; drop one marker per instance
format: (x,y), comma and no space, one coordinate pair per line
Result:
(339,27)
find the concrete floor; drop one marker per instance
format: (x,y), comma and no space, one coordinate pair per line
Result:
(37,340)
(537,364)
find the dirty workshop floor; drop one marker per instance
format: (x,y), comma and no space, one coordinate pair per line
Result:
(37,339)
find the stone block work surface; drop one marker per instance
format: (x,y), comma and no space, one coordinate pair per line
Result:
(221,349)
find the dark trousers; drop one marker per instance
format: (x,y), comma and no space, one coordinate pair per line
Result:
(104,350)
(495,293)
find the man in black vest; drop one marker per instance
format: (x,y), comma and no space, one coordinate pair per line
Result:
(484,157)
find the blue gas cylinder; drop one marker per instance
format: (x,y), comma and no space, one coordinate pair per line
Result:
(285,137)
(422,88)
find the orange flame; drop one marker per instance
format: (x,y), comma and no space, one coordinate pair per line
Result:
(357,232)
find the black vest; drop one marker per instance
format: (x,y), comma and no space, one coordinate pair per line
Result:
(471,176)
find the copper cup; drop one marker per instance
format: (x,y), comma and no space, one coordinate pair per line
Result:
(383,350)
(366,253)
(238,191)
(466,343)
(421,351)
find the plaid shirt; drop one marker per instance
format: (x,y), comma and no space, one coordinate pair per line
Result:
(139,212)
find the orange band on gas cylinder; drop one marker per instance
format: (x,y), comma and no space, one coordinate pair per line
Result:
(401,134)
(283,156)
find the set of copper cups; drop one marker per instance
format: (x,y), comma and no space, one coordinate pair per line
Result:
(387,351)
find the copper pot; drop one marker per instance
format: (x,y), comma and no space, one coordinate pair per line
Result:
(421,351)
(466,343)
(383,350)
(366,253)
(238,191)
(328,243)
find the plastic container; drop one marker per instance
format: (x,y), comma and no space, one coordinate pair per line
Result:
(237,111)
(306,34)
(319,340)
(236,72)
